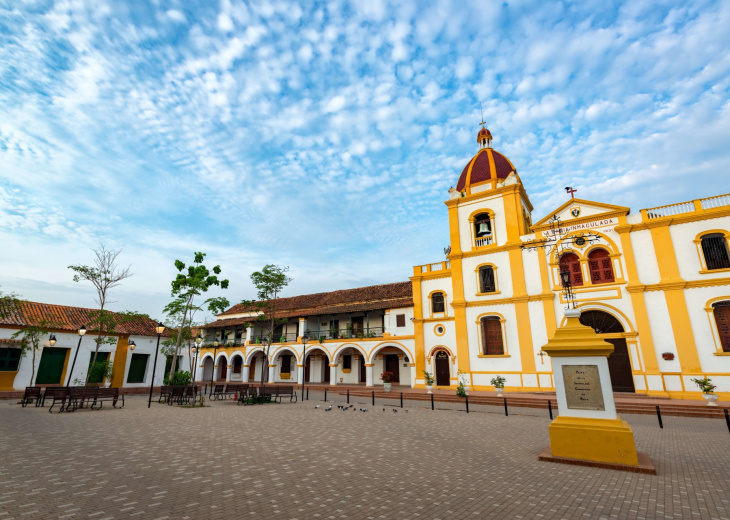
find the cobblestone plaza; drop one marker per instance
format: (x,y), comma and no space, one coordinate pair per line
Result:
(295,461)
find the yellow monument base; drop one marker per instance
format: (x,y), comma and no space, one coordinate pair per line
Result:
(600,440)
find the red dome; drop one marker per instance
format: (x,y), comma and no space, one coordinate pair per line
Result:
(486,165)
(484,133)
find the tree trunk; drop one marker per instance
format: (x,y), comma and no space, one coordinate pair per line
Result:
(32,370)
(179,338)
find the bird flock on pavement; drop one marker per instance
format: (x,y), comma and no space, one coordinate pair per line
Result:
(348,408)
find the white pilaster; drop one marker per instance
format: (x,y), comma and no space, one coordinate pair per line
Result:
(300,373)
(249,334)
(271,373)
(333,374)
(368,375)
(302,327)
(246,372)
(229,372)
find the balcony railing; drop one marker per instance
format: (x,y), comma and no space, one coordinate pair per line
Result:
(484,241)
(354,333)
(438,266)
(697,205)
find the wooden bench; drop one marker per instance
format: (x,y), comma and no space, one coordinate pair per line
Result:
(57,393)
(219,392)
(176,394)
(31,393)
(282,391)
(244,393)
(164,394)
(111,395)
(232,390)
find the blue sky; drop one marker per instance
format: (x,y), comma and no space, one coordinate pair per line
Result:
(324,136)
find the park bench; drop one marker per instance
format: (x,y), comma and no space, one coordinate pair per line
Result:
(164,394)
(31,393)
(191,394)
(176,394)
(219,392)
(288,391)
(232,390)
(243,393)
(110,395)
(57,393)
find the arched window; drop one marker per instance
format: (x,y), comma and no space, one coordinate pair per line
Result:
(721,310)
(437,302)
(483,229)
(599,264)
(237,364)
(571,263)
(492,342)
(486,279)
(714,247)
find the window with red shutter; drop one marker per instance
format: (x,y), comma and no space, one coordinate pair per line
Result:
(492,342)
(400,320)
(571,263)
(599,264)
(722,320)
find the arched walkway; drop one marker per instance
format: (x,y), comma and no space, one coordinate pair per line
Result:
(256,366)
(206,372)
(285,370)
(350,361)
(393,358)
(236,367)
(222,370)
(609,328)
(316,366)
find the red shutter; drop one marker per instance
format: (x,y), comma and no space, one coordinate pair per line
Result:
(492,337)
(599,263)
(400,320)
(722,319)
(571,262)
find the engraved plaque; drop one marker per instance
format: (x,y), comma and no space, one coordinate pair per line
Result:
(583,387)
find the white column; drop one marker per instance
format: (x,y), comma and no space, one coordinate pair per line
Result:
(245,373)
(368,374)
(386,322)
(200,373)
(302,326)
(300,373)
(413,375)
(333,374)
(271,373)
(229,372)
(249,335)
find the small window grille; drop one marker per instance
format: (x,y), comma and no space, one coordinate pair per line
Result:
(486,279)
(437,302)
(714,247)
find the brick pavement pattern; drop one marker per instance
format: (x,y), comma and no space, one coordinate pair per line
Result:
(292,461)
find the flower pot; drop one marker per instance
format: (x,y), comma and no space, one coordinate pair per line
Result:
(466,389)
(500,391)
(710,398)
(387,387)
(429,389)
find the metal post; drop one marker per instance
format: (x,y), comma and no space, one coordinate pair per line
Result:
(431,401)
(727,420)
(325,395)
(195,363)
(348,396)
(659,416)
(506,412)
(401,399)
(373,397)
(466,400)
(154,368)
(74,363)
(212,373)
(550,409)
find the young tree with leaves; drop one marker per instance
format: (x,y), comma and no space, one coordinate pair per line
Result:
(31,338)
(104,275)
(189,283)
(269,283)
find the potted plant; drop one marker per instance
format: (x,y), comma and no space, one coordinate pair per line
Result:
(707,387)
(463,384)
(322,338)
(387,378)
(282,339)
(498,383)
(429,381)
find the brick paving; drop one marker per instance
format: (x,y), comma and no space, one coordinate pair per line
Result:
(296,462)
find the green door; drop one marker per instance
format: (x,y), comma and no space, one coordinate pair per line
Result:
(101,357)
(51,366)
(137,367)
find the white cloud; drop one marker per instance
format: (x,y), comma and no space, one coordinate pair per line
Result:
(176,16)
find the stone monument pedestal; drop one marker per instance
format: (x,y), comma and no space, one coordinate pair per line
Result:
(588,431)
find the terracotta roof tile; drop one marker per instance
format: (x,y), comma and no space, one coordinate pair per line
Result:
(71,318)
(361,299)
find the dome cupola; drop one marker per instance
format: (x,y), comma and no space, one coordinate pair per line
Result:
(487,165)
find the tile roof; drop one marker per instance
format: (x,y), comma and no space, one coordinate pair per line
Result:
(361,299)
(67,318)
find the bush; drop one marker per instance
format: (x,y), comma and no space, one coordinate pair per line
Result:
(182,377)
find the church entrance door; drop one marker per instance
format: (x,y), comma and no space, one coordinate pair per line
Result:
(443,377)
(619,363)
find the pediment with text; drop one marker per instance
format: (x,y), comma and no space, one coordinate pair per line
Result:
(583,213)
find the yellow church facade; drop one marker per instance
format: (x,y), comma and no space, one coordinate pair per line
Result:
(655,284)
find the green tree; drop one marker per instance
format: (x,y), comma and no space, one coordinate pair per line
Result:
(269,283)
(190,282)
(9,304)
(104,275)
(31,338)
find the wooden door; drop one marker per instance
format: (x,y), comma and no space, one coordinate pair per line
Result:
(357,327)
(223,369)
(443,374)
(307,368)
(252,370)
(393,365)
(326,369)
(51,366)
(363,374)
(619,365)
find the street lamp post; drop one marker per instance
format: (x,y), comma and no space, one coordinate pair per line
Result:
(159,329)
(82,331)
(195,350)
(565,280)
(305,338)
(212,374)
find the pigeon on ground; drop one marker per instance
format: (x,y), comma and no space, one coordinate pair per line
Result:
(328,408)
(364,409)
(395,410)
(316,406)
(383,409)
